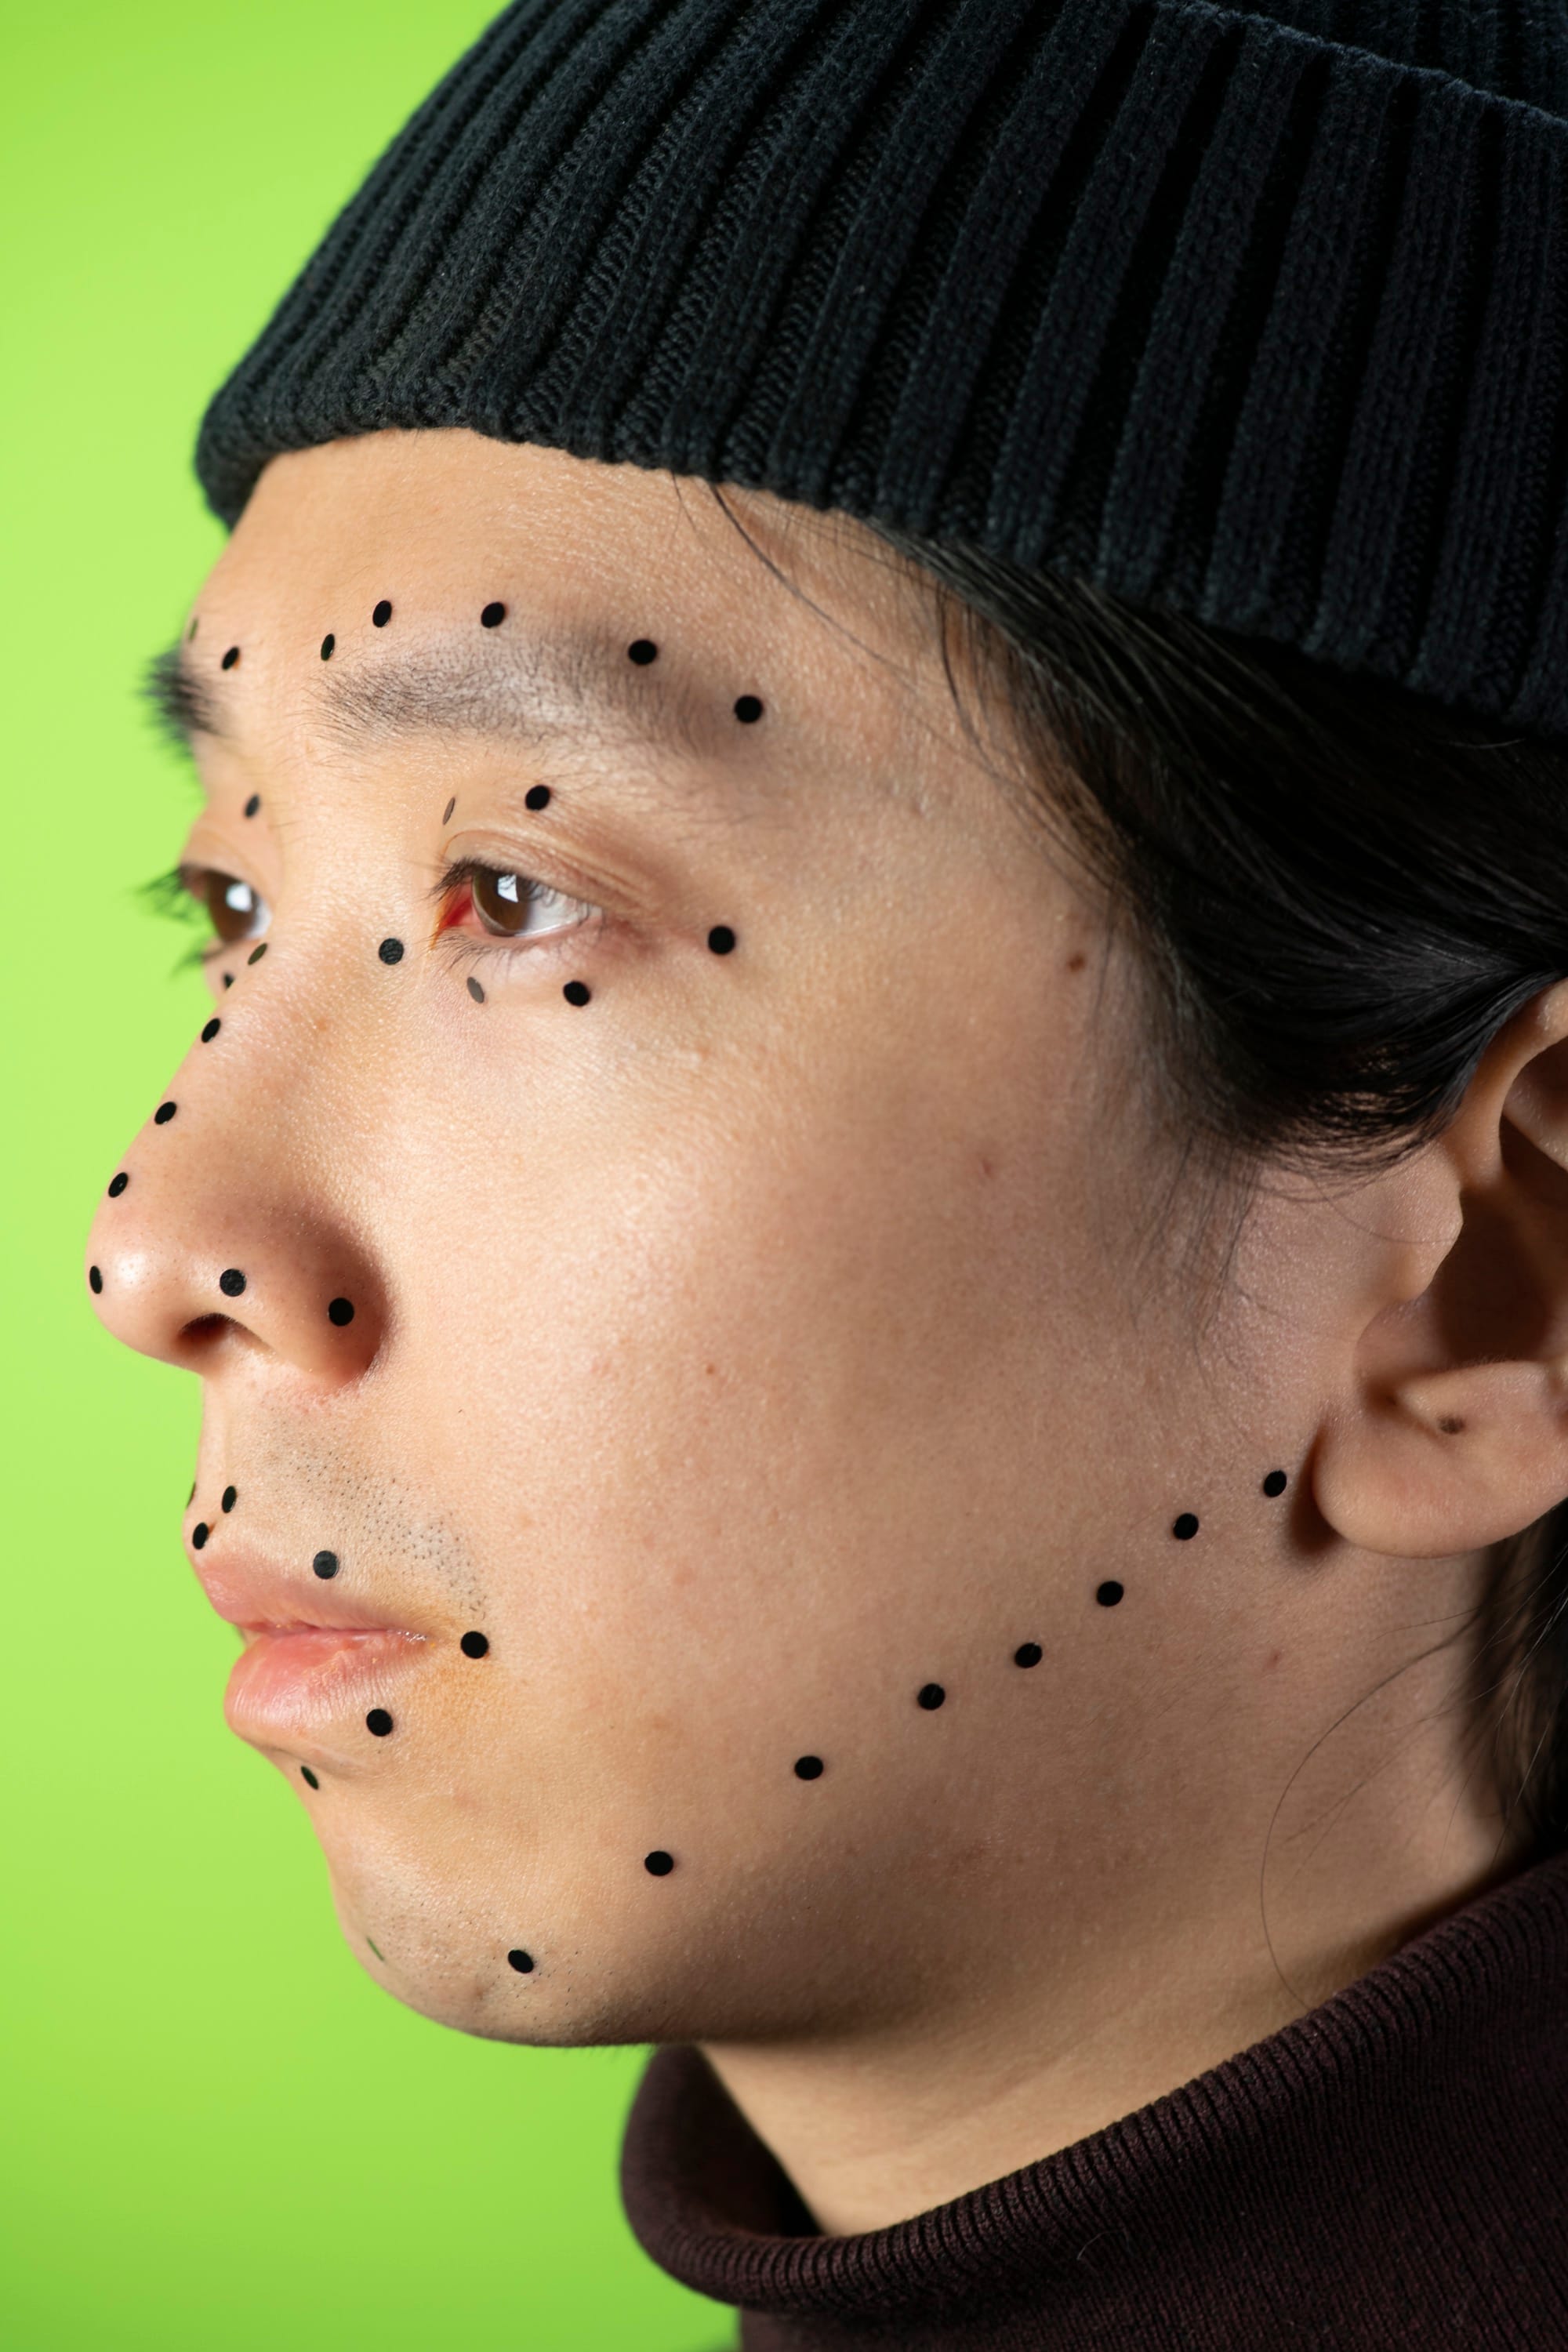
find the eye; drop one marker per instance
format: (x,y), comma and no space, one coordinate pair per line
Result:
(514,906)
(235,910)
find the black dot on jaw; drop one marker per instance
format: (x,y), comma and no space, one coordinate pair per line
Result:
(230,1497)
(642,651)
(522,1961)
(378,1722)
(474,1646)
(929,1695)
(210,1030)
(1028,1653)
(748,710)
(164,1113)
(447,811)
(391,951)
(94,1280)
(340,1311)
(199,1535)
(307,1777)
(576,992)
(475,991)
(537,796)
(231,1282)
(1186,1527)
(325,1565)
(229,658)
(327,642)
(256,952)
(253,803)
(492,616)
(117,1184)
(722,938)
(808,1768)
(1109,1594)
(658,1865)
(1276,1482)
(381,614)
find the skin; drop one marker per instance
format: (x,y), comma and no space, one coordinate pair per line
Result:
(783,1331)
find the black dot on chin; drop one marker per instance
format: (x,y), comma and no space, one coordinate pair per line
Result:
(307,1777)
(230,1497)
(210,1030)
(199,1535)
(231,1282)
(658,1865)
(325,1564)
(576,992)
(929,1695)
(492,616)
(340,1311)
(117,1184)
(253,803)
(391,951)
(94,1280)
(537,796)
(474,1646)
(1275,1484)
(1186,1527)
(447,811)
(1109,1594)
(164,1113)
(748,710)
(1028,1653)
(381,614)
(257,953)
(722,938)
(808,1768)
(475,991)
(328,641)
(378,1723)
(229,658)
(642,651)
(522,1961)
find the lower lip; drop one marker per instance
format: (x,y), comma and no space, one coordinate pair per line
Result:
(308,1678)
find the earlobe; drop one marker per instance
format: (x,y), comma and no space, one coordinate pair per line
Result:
(1446,1462)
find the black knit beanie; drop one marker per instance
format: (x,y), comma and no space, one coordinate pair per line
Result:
(1256,312)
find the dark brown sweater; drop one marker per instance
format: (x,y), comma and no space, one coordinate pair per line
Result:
(1390,2169)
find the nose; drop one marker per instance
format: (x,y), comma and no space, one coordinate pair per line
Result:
(201,1255)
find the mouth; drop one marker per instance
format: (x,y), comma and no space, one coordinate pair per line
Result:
(311,1661)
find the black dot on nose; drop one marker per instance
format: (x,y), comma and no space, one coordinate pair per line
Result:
(378,1722)
(522,1961)
(1186,1527)
(1109,1594)
(642,651)
(748,710)
(231,1282)
(475,991)
(339,1311)
(256,952)
(164,1113)
(576,992)
(325,1564)
(307,1777)
(1275,1484)
(94,1280)
(1028,1653)
(537,796)
(474,1646)
(199,1534)
(381,614)
(658,1865)
(117,1184)
(391,951)
(492,616)
(808,1768)
(211,1029)
(929,1695)
(253,803)
(722,938)
(327,642)
(229,658)
(230,1497)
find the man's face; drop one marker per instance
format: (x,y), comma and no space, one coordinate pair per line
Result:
(671,1047)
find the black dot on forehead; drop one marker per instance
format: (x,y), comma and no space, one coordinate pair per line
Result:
(230,658)
(164,1113)
(200,1533)
(474,1646)
(1186,1527)
(339,1311)
(1109,1594)
(576,992)
(327,642)
(211,1029)
(492,616)
(383,613)
(1028,1653)
(658,1864)
(522,1961)
(642,650)
(378,1722)
(325,1564)
(722,938)
(447,811)
(475,991)
(537,796)
(256,952)
(307,1777)
(230,1497)
(929,1695)
(231,1282)
(1275,1484)
(117,1184)
(253,803)
(747,709)
(95,1280)
(391,951)
(808,1768)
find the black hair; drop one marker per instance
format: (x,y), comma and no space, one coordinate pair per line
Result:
(1338,892)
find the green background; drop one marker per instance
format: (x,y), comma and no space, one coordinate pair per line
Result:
(217,2132)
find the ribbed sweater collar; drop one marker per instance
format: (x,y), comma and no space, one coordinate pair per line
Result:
(1389,2168)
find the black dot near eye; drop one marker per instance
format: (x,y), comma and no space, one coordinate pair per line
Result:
(378,1722)
(381,614)
(117,1184)
(475,991)
(340,1311)
(658,1865)
(257,953)
(808,1768)
(229,658)
(522,1961)
(228,980)
(231,1282)
(211,1030)
(576,992)
(328,641)
(1186,1527)
(929,1695)
(748,710)
(1109,1594)
(325,1565)
(492,616)
(94,1280)
(164,1113)
(1028,1653)
(642,652)
(537,796)
(199,1534)
(1275,1484)
(391,951)
(253,803)
(474,1646)
(722,938)
(230,1497)
(309,1777)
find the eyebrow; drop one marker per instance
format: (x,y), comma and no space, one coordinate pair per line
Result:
(181,702)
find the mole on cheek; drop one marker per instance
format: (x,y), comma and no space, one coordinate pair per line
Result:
(253,803)
(474,1646)
(229,658)
(576,992)
(522,1961)
(164,1113)
(381,614)
(658,1864)
(94,1280)
(447,811)
(808,1768)
(537,796)
(230,1497)
(1109,1594)
(475,991)
(930,1695)
(231,1282)
(378,1722)
(328,643)
(1186,1527)
(1276,1482)
(340,1311)
(325,1564)
(1028,1653)
(117,1184)
(309,1777)
(391,951)
(211,1029)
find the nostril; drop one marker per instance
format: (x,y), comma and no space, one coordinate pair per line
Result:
(231,1282)
(95,1280)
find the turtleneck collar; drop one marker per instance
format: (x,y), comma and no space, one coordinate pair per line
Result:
(1389,2169)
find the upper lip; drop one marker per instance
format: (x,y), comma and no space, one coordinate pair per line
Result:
(259,1596)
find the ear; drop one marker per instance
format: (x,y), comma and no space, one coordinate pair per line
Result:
(1454,1433)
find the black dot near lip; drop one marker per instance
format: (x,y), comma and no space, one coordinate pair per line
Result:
(378,1722)
(1275,1484)
(231,1282)
(210,1030)
(325,1564)
(164,1113)
(1109,1594)
(1028,1653)
(328,641)
(748,710)
(391,951)
(253,803)
(576,992)
(929,1695)
(256,952)
(808,1768)
(229,658)
(522,1961)
(199,1534)
(474,1646)
(537,796)
(309,1777)
(94,1280)
(1186,1527)
(658,1864)
(230,1497)
(642,651)
(492,616)
(475,991)
(381,614)
(340,1311)
(117,1184)
(722,938)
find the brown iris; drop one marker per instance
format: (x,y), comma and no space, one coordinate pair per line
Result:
(502,901)
(234,909)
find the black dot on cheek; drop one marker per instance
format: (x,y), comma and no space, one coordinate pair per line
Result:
(474,1646)
(808,1768)
(164,1113)
(381,614)
(930,1697)
(253,803)
(1186,1527)
(1028,1653)
(537,796)
(642,651)
(325,1565)
(94,1280)
(576,992)
(199,1535)
(722,938)
(492,616)
(327,642)
(522,1961)
(117,1184)
(231,1282)
(475,991)
(309,1777)
(229,658)
(210,1030)
(1109,1594)
(1276,1482)
(378,1723)
(748,710)
(391,951)
(230,1497)
(447,811)
(340,1311)
(658,1864)
(257,953)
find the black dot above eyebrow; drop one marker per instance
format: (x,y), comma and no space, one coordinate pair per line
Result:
(475,991)
(117,1184)
(199,1534)
(230,1497)
(256,952)
(808,1768)
(231,1282)
(325,1565)
(1028,1653)
(642,650)
(164,1113)
(492,616)
(378,1722)
(94,1280)
(328,641)
(391,951)
(340,1311)
(522,1961)
(211,1029)
(748,710)
(1275,1484)
(658,1864)
(447,811)
(253,803)
(722,938)
(381,614)
(576,992)
(1186,1527)
(1109,1594)
(229,658)
(537,796)
(474,1646)
(929,1695)
(309,1777)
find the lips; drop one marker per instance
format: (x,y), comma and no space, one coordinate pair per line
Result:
(313,1660)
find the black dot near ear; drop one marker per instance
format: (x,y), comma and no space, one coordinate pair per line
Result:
(253,803)
(307,1777)
(210,1030)
(340,1311)
(1186,1527)
(1276,1482)
(230,1497)
(474,1646)
(328,641)
(199,1535)
(658,1865)
(475,991)
(1109,1594)
(1028,1653)
(256,952)
(381,614)
(722,938)
(391,951)
(447,811)
(378,1722)
(576,992)
(231,1282)
(642,651)
(492,616)
(808,1768)
(94,1280)
(325,1565)
(117,1184)
(748,710)
(929,1695)
(522,1961)
(537,796)
(229,658)
(164,1113)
